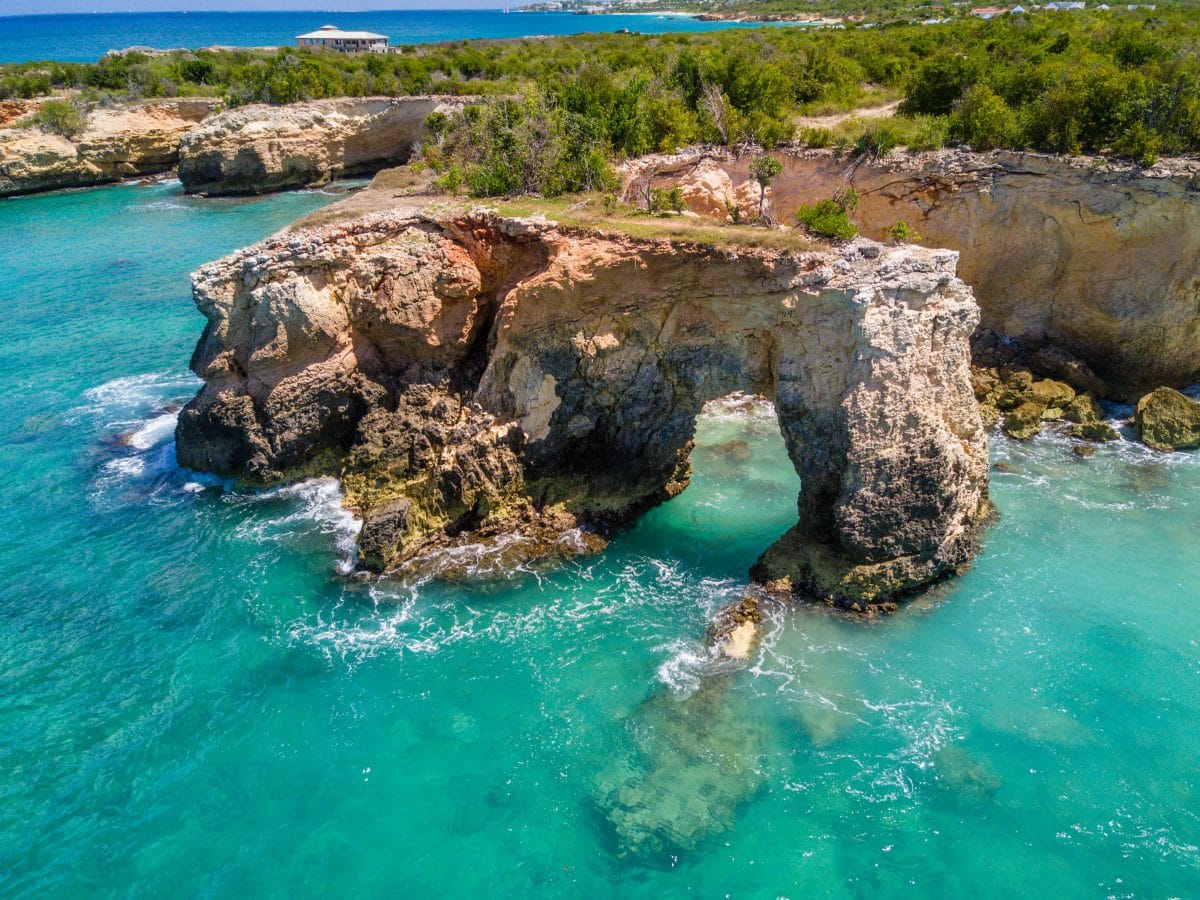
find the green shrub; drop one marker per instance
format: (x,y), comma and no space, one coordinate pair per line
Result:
(929,133)
(903,233)
(983,120)
(877,139)
(816,137)
(830,218)
(62,117)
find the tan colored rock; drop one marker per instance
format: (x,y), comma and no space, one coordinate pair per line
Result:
(561,372)
(1168,420)
(1087,267)
(258,149)
(124,141)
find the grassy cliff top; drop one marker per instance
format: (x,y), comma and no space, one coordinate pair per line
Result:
(404,187)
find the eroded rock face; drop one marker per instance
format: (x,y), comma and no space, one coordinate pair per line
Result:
(1088,268)
(258,149)
(469,370)
(119,142)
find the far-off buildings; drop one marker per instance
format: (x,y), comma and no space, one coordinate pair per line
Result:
(333,38)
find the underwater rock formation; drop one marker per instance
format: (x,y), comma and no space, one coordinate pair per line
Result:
(258,149)
(1085,270)
(465,371)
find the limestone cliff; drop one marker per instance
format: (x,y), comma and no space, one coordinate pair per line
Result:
(118,142)
(258,149)
(465,371)
(1070,259)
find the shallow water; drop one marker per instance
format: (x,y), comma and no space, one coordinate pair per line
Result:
(195,701)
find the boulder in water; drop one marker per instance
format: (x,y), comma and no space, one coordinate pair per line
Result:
(1168,420)
(1025,421)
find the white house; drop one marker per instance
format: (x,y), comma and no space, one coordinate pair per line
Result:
(333,38)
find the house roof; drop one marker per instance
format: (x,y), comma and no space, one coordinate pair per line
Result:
(333,33)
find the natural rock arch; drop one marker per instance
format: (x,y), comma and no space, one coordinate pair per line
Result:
(467,373)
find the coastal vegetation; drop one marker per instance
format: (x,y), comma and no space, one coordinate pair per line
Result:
(557,111)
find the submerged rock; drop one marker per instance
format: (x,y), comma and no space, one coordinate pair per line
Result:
(685,768)
(965,773)
(1098,432)
(1168,420)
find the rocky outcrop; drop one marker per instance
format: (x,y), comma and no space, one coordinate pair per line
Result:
(258,149)
(469,370)
(1086,270)
(118,142)
(1168,420)
(1024,404)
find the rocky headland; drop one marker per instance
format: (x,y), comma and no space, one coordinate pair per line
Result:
(1086,271)
(258,149)
(117,142)
(468,375)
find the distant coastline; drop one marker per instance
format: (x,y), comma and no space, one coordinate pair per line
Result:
(85,37)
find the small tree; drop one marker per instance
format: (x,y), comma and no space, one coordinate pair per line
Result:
(764,170)
(437,124)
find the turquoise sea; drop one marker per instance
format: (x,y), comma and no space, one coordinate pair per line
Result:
(87,37)
(196,702)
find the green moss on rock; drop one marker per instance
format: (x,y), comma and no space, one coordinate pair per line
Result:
(1167,420)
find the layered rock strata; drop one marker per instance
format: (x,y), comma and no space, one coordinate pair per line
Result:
(258,149)
(467,373)
(1085,270)
(119,142)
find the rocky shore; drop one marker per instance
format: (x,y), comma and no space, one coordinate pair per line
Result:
(118,142)
(248,150)
(468,375)
(258,149)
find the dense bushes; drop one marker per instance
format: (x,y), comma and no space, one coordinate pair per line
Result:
(1099,81)
(1104,82)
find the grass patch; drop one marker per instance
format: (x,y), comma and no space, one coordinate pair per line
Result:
(588,211)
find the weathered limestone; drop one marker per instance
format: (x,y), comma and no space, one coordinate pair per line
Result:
(466,370)
(258,149)
(126,141)
(1082,267)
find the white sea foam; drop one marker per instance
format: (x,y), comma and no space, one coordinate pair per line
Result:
(156,431)
(128,400)
(313,502)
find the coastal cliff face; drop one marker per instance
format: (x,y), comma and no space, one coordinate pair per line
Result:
(1067,257)
(120,142)
(258,149)
(467,375)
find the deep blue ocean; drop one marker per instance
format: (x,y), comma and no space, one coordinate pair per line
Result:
(196,702)
(85,38)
